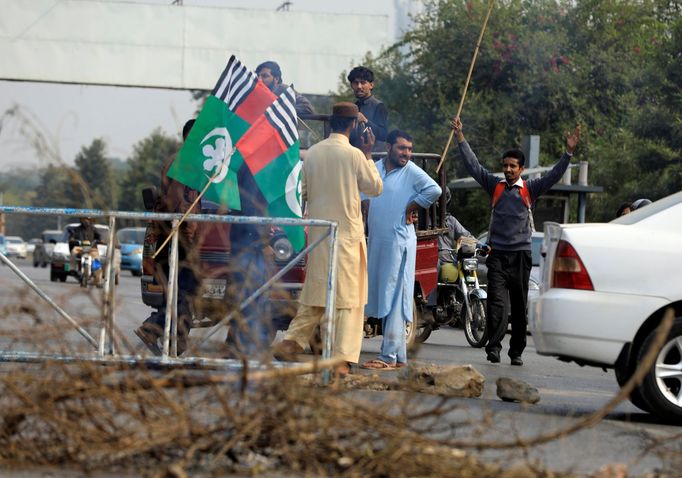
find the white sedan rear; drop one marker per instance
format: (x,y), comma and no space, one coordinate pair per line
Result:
(604,290)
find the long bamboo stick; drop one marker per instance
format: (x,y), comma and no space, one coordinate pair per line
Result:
(466,84)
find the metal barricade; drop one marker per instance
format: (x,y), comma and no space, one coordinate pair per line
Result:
(104,345)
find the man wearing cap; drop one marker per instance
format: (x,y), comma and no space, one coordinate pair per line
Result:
(270,74)
(333,176)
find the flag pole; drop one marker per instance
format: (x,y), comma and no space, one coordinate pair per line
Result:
(466,84)
(196,201)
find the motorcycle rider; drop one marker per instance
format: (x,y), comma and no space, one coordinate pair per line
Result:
(448,243)
(85,232)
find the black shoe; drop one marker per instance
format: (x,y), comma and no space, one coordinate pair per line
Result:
(149,335)
(493,357)
(516,361)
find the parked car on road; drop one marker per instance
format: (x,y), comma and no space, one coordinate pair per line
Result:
(61,255)
(42,254)
(16,247)
(131,240)
(604,290)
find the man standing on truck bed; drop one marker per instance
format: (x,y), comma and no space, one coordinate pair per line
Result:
(373,113)
(270,74)
(509,235)
(333,176)
(392,249)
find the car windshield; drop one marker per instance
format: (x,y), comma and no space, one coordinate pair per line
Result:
(52,236)
(131,236)
(12,240)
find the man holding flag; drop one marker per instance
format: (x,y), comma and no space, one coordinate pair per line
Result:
(243,153)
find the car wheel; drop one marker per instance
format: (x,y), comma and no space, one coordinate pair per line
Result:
(623,374)
(62,277)
(662,385)
(53,276)
(136,273)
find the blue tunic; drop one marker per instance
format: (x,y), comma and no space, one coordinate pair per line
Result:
(392,245)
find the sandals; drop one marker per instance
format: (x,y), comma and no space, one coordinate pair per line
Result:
(378,364)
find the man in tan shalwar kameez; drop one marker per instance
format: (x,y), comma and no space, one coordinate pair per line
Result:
(333,176)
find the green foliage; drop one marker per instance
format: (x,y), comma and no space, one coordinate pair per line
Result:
(96,180)
(614,66)
(145,168)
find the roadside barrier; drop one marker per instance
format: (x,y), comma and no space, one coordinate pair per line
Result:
(104,345)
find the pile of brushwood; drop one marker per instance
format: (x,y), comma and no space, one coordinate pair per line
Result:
(184,423)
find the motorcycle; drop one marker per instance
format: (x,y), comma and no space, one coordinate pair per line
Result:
(459,299)
(89,265)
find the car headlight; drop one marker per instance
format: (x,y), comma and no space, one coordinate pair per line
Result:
(136,251)
(283,249)
(533,285)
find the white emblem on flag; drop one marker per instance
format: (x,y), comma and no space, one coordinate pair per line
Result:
(219,153)
(292,190)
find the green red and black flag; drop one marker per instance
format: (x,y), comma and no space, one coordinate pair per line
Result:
(271,151)
(238,100)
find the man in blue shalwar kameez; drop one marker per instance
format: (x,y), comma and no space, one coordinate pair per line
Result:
(392,247)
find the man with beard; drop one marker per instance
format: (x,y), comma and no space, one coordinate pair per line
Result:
(333,176)
(270,74)
(509,235)
(392,248)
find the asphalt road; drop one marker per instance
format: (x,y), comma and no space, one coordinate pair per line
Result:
(567,391)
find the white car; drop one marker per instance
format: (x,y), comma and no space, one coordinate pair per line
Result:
(604,290)
(16,247)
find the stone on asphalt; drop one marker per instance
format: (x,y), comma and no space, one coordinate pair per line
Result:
(514,390)
(450,380)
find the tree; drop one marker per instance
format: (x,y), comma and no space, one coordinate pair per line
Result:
(612,65)
(145,168)
(95,181)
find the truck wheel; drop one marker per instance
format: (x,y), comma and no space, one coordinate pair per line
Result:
(418,330)
(662,385)
(53,276)
(62,277)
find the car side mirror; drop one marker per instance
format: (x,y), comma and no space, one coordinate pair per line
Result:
(149,197)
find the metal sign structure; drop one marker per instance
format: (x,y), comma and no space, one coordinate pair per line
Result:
(104,345)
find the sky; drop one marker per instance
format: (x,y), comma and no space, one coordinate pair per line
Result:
(72,116)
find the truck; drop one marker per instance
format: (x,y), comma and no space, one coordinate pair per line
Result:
(213,301)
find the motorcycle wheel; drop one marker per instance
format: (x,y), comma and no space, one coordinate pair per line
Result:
(475,323)
(85,275)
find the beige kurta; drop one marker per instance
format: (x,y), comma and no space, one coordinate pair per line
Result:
(334,174)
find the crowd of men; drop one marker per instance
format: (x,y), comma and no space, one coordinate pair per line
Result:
(376,253)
